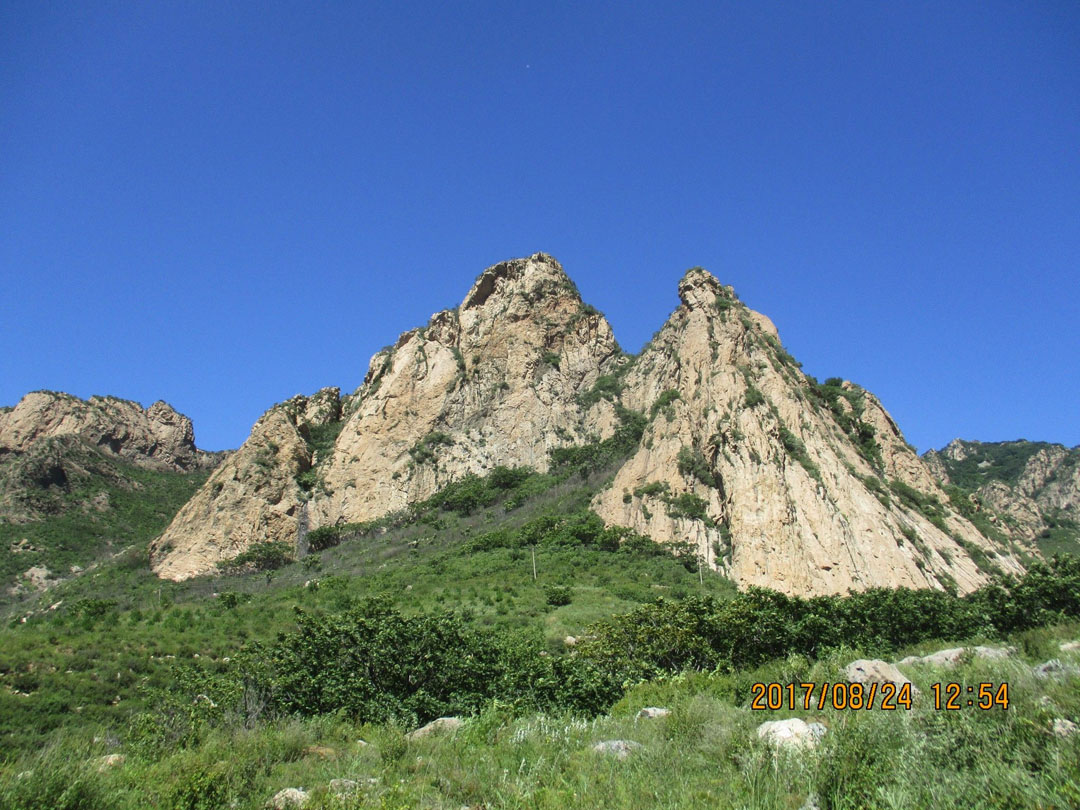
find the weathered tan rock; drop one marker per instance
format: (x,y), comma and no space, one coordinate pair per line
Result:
(1046,490)
(253,497)
(746,463)
(493,382)
(1064,728)
(792,733)
(952,656)
(39,578)
(652,713)
(874,670)
(157,436)
(1054,669)
(110,761)
(442,725)
(747,414)
(288,798)
(619,749)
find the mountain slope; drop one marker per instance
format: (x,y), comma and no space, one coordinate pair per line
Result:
(80,478)
(492,382)
(776,479)
(778,486)
(1031,490)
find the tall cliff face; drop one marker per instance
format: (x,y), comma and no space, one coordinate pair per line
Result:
(778,480)
(494,381)
(1029,490)
(255,496)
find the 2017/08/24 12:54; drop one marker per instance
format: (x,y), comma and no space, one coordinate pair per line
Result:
(843,695)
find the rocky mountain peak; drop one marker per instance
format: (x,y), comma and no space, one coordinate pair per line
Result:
(699,289)
(157,436)
(774,478)
(532,278)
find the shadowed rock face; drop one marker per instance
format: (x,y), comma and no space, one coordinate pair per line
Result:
(776,483)
(51,444)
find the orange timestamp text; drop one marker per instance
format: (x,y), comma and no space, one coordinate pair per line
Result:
(839,695)
(883,696)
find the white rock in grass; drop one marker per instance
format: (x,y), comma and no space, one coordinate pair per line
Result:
(650,712)
(951,656)
(287,799)
(620,749)
(1055,669)
(791,733)
(343,787)
(1064,728)
(443,725)
(110,761)
(1065,646)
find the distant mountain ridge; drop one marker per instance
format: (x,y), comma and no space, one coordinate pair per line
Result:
(1033,486)
(775,478)
(79,477)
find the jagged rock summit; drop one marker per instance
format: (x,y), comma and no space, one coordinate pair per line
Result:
(157,436)
(494,381)
(778,480)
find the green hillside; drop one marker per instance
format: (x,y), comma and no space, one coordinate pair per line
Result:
(222,690)
(66,504)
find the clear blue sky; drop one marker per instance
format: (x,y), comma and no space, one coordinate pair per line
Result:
(225,204)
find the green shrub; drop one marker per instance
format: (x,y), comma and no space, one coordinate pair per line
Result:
(424,450)
(557,595)
(607,386)
(692,462)
(797,450)
(260,557)
(663,404)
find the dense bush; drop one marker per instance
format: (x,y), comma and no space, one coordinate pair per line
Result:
(759,625)
(376,664)
(260,557)
(558,595)
(587,459)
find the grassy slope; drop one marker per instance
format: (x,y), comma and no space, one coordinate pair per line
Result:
(74,678)
(141,502)
(705,754)
(89,663)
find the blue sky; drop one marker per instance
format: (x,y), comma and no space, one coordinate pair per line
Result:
(225,204)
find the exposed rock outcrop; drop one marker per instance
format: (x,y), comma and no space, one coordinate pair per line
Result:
(53,445)
(745,460)
(775,479)
(157,436)
(1029,490)
(253,497)
(494,381)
